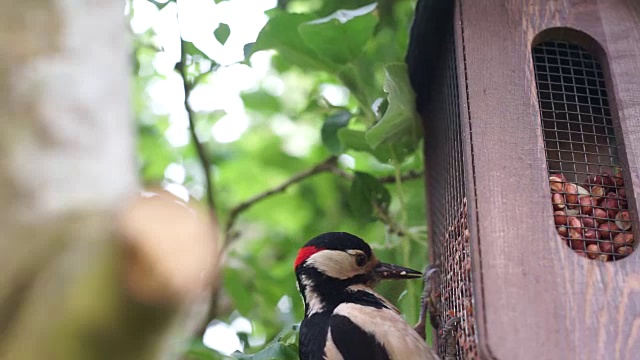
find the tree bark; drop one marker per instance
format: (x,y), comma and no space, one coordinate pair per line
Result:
(67,173)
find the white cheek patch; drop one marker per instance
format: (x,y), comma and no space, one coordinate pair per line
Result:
(313,300)
(335,263)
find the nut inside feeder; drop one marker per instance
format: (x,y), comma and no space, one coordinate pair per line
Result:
(588,195)
(450,225)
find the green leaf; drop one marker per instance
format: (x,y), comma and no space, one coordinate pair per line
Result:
(329,131)
(400,124)
(281,34)
(222,33)
(360,87)
(154,151)
(160,5)
(280,64)
(247,50)
(261,101)
(283,347)
(356,140)
(341,36)
(236,286)
(366,194)
(197,350)
(196,53)
(276,351)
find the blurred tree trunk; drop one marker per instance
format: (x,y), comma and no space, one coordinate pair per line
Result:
(67,170)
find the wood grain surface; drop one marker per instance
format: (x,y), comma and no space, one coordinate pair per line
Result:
(535,298)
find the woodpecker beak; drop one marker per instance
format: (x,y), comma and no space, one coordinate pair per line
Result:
(394,272)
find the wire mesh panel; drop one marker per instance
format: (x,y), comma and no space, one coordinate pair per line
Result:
(448,209)
(587,187)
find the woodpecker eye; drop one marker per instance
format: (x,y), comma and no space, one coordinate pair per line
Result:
(361,259)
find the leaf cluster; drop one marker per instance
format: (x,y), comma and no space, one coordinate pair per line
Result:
(375,132)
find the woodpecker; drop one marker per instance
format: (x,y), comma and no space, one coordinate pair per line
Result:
(344,318)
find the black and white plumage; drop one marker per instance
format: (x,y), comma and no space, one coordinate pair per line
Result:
(344,317)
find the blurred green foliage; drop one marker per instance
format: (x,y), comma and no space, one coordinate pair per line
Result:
(351,43)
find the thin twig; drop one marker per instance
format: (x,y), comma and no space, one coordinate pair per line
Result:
(341,173)
(327,165)
(383,215)
(204,161)
(410,175)
(202,153)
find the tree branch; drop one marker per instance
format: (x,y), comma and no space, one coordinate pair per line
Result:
(327,165)
(202,153)
(384,217)
(410,175)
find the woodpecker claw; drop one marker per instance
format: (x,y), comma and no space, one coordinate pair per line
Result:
(430,300)
(449,338)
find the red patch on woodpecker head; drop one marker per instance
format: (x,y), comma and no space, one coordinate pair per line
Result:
(304,254)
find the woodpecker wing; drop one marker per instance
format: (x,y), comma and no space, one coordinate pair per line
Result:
(313,332)
(348,341)
(371,328)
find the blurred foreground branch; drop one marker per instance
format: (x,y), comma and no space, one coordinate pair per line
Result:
(89,267)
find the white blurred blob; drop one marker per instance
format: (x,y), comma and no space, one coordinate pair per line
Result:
(167,31)
(148,194)
(236,78)
(177,135)
(222,338)
(196,191)
(273,85)
(142,23)
(179,118)
(175,172)
(347,161)
(230,127)
(336,95)
(298,138)
(257,340)
(261,62)
(376,104)
(177,190)
(241,325)
(199,19)
(301,142)
(167,96)
(209,97)
(222,89)
(165,63)
(285,304)
(281,125)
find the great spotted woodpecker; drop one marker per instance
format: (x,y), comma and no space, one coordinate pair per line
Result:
(344,317)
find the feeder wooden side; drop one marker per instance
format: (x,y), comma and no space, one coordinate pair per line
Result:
(536,298)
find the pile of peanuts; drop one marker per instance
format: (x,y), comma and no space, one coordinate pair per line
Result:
(457,287)
(593,217)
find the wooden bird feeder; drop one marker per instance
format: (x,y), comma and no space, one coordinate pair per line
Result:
(531,112)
